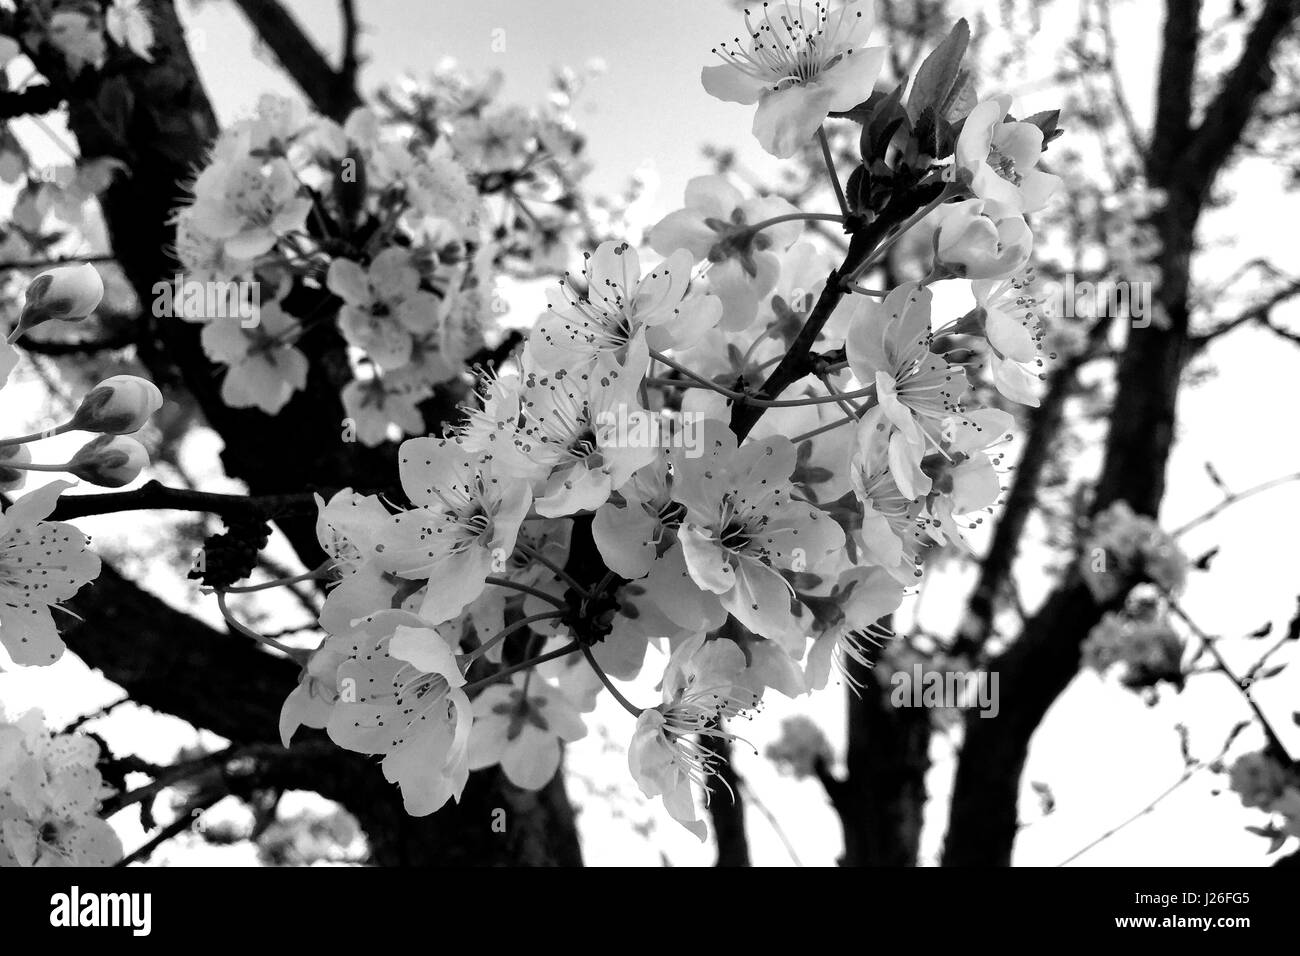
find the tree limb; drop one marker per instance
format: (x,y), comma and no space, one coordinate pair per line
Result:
(1259,313)
(332,92)
(1044,426)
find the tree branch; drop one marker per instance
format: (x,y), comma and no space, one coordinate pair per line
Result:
(331,92)
(1174,89)
(1044,425)
(1229,112)
(727,805)
(1260,313)
(153,496)
(1042,662)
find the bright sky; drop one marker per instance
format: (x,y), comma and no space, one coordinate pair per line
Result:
(1102,751)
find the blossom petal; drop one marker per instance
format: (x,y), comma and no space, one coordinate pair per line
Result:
(730,85)
(787,119)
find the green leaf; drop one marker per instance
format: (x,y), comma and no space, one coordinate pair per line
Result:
(938,74)
(1046,121)
(886,116)
(862,113)
(961,99)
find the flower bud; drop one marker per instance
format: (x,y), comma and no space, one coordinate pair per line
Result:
(110,461)
(972,245)
(11,479)
(69,293)
(118,406)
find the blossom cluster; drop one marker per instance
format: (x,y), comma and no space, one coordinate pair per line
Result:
(1262,782)
(50,794)
(388,213)
(547,547)
(1124,548)
(1139,640)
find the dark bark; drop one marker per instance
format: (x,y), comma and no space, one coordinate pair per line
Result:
(881,802)
(1042,662)
(1022,498)
(158,119)
(173,663)
(333,92)
(727,806)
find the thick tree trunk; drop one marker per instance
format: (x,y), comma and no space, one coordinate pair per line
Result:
(1184,162)
(727,806)
(204,677)
(881,800)
(888,757)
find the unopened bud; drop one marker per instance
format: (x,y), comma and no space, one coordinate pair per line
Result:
(11,479)
(68,293)
(972,245)
(110,461)
(118,406)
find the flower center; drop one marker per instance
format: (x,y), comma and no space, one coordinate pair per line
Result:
(1004,166)
(789,49)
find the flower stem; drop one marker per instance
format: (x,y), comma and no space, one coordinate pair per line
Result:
(248,631)
(863,290)
(36,436)
(745,398)
(506,631)
(526,589)
(700,380)
(522,665)
(559,571)
(844,403)
(823,429)
(830,169)
(32,466)
(811,400)
(627,705)
(313,575)
(795,217)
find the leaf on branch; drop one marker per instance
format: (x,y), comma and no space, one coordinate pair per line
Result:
(1276,836)
(1184,744)
(1046,121)
(878,128)
(939,74)
(1203,562)
(961,99)
(1216,478)
(934,134)
(1262,631)
(1046,799)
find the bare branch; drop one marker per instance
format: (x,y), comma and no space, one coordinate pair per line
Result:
(1044,425)
(351,30)
(1117,87)
(1231,109)
(332,92)
(155,496)
(1174,91)
(1259,313)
